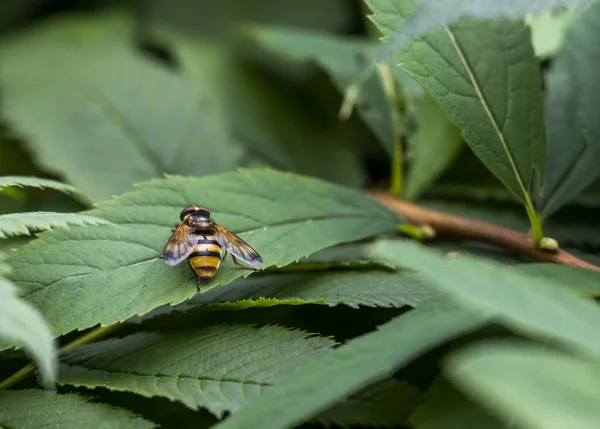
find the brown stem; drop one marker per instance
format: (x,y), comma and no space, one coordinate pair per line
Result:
(444,223)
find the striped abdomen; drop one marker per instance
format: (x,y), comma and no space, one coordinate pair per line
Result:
(205,258)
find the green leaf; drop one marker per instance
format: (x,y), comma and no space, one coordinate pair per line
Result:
(385,404)
(353,288)
(108,273)
(443,407)
(221,368)
(572,125)
(432,14)
(342,59)
(25,223)
(35,408)
(582,281)
(335,16)
(23,326)
(590,197)
(468,178)
(23,181)
(266,118)
(486,79)
(434,147)
(530,386)
(527,303)
(122,118)
(349,255)
(331,378)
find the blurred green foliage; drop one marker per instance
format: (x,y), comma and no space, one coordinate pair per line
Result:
(115,115)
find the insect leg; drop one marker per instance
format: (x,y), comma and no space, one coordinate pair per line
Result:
(198,283)
(237,264)
(224,254)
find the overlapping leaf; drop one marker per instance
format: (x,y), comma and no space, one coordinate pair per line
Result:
(384,404)
(443,407)
(36,408)
(486,79)
(527,303)
(571,114)
(582,281)
(458,183)
(122,118)
(342,59)
(106,273)
(331,378)
(22,325)
(267,118)
(25,223)
(221,368)
(529,385)
(190,15)
(434,147)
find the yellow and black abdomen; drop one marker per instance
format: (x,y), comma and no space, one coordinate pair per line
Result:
(205,258)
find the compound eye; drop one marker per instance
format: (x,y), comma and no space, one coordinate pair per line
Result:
(203,211)
(186,211)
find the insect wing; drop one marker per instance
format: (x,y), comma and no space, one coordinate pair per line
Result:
(180,245)
(238,247)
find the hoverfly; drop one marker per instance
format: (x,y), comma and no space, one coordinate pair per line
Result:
(199,239)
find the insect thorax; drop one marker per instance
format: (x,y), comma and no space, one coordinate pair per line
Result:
(202,229)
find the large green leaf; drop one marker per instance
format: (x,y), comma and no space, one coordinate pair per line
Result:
(342,58)
(531,304)
(122,118)
(221,368)
(571,114)
(22,325)
(106,273)
(443,407)
(353,288)
(334,376)
(276,122)
(486,79)
(26,223)
(434,147)
(25,409)
(528,385)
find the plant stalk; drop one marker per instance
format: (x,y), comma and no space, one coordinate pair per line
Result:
(397,173)
(444,223)
(534,220)
(389,85)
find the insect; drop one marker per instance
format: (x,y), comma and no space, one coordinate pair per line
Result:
(205,243)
